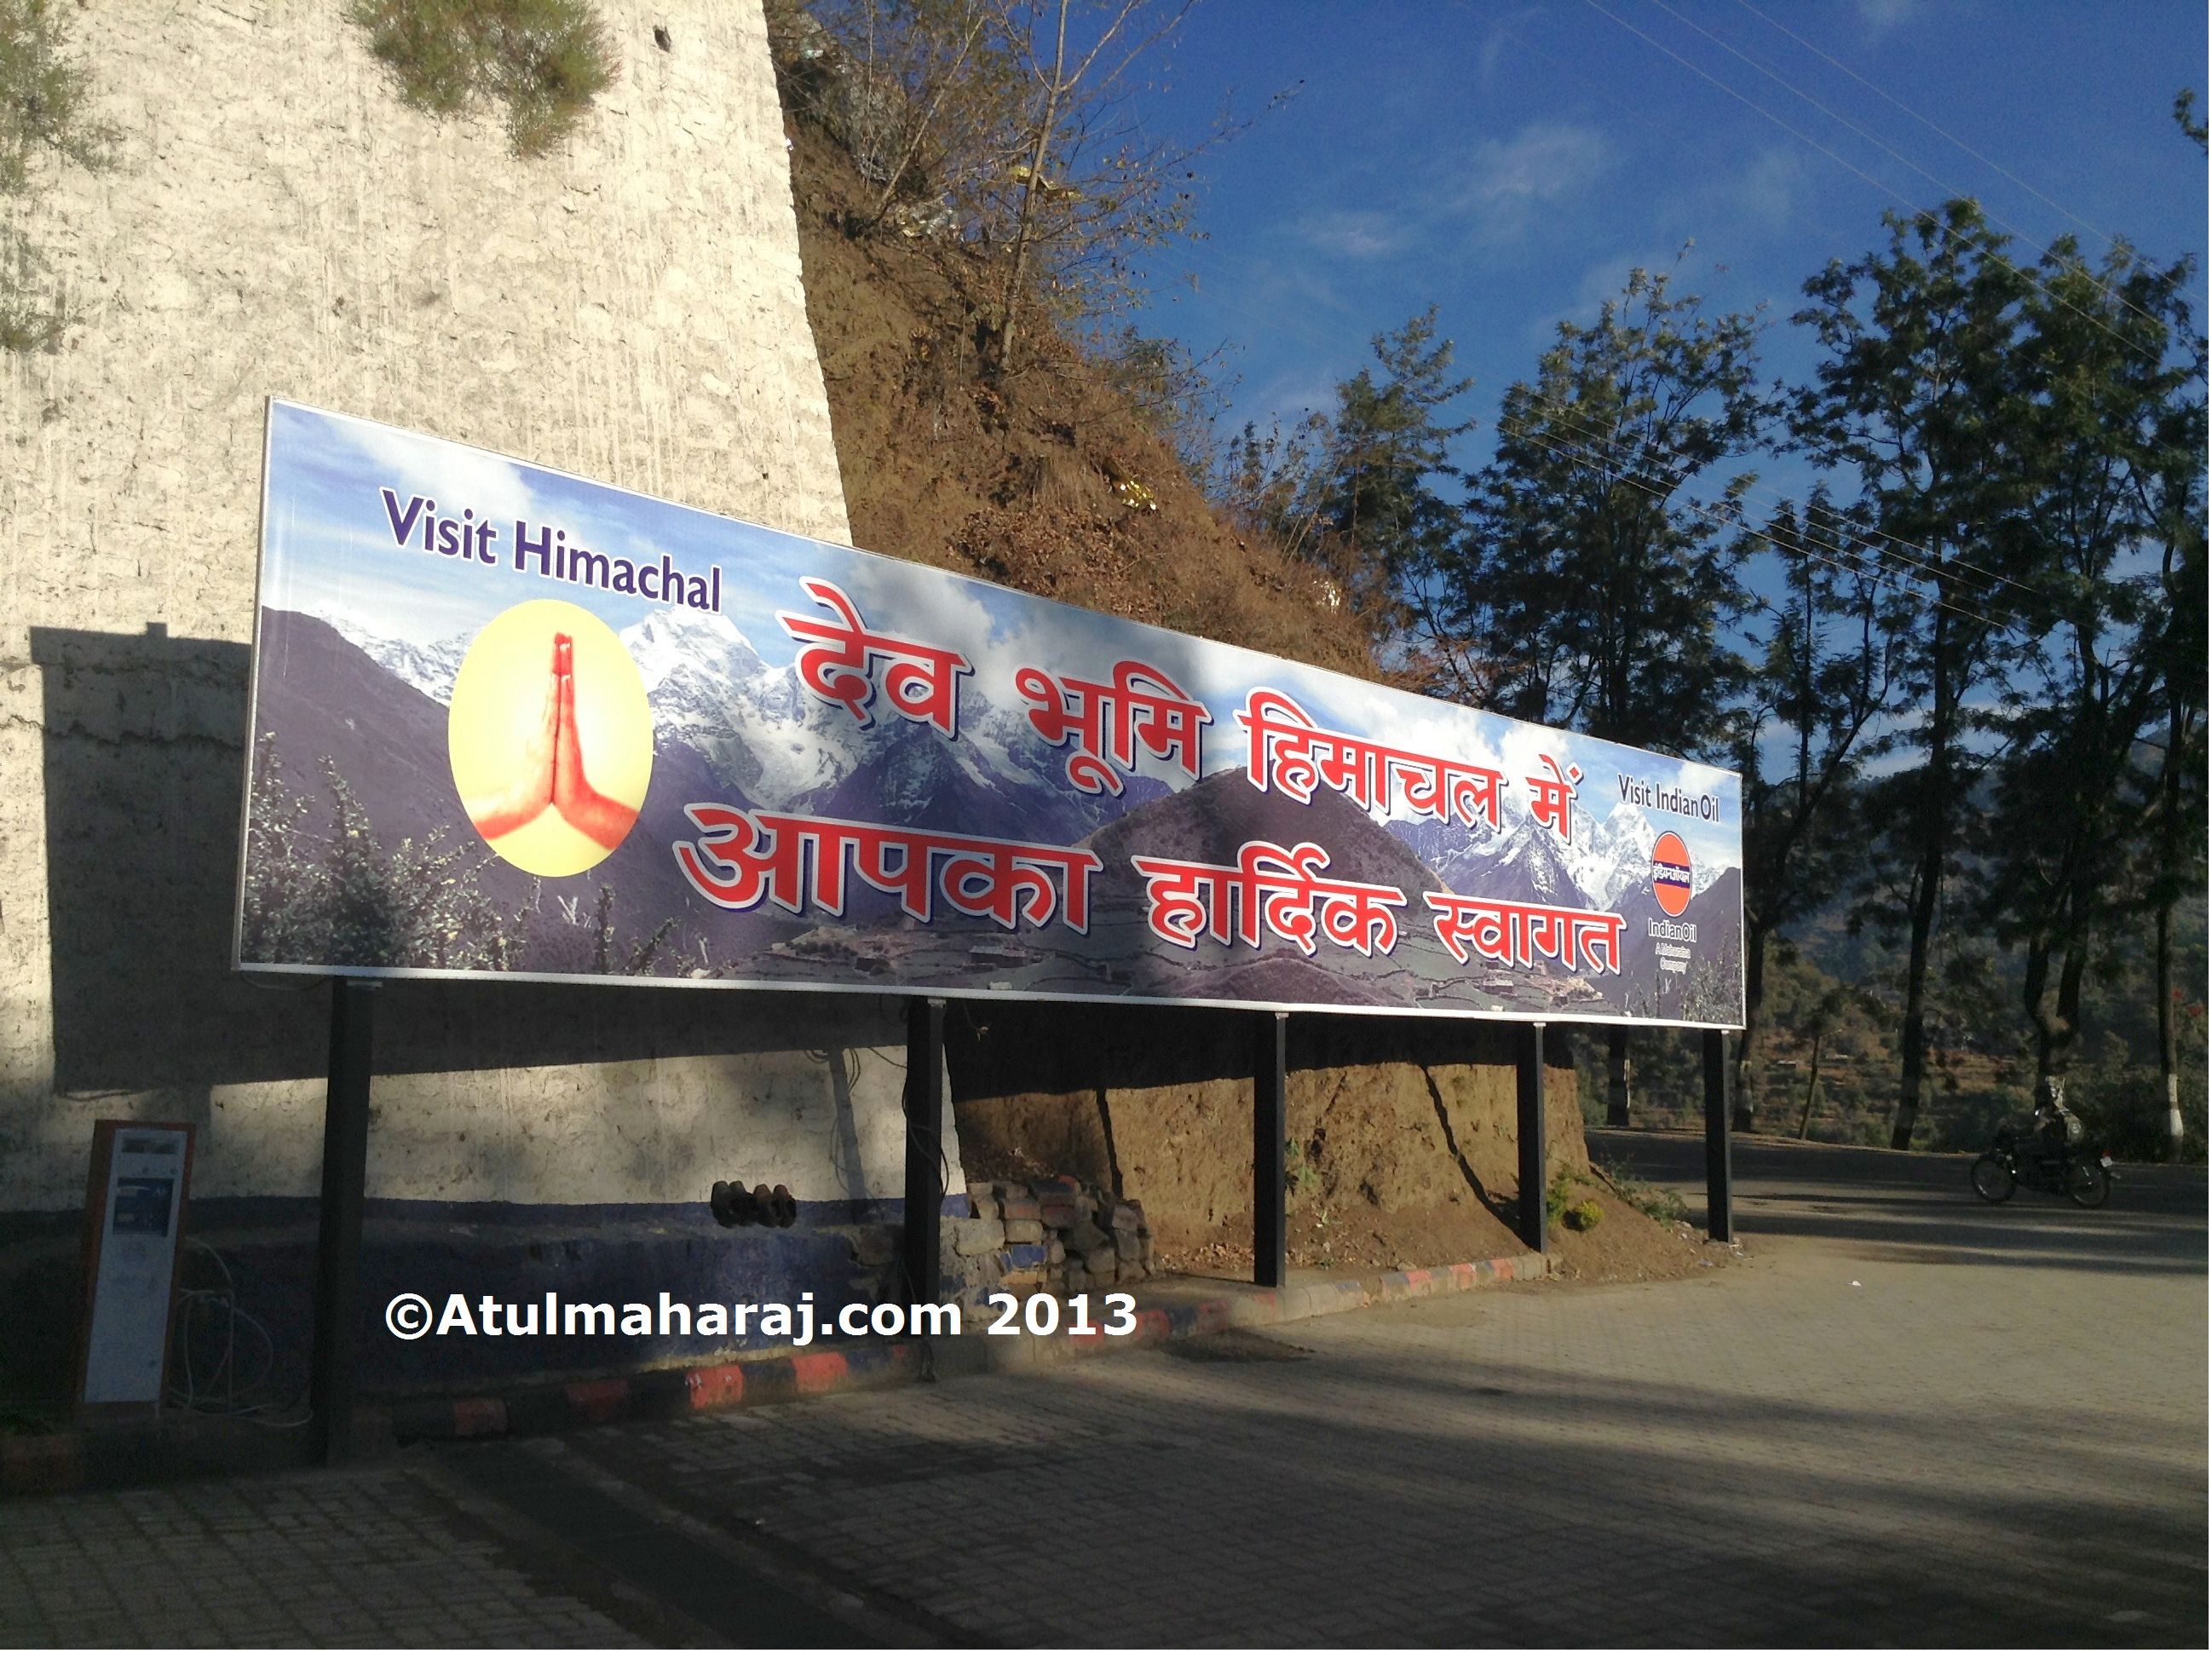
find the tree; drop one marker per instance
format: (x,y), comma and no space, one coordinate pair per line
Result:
(2172,489)
(1920,397)
(922,92)
(1828,672)
(1178,392)
(1587,588)
(1819,1018)
(1271,485)
(2185,116)
(2103,380)
(1379,517)
(1091,187)
(2170,482)
(1014,126)
(1355,491)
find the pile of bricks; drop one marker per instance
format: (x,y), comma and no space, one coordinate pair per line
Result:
(1052,1235)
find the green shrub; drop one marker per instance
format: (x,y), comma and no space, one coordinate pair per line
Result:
(31,318)
(43,106)
(1558,1197)
(1583,1216)
(42,94)
(545,59)
(1660,1204)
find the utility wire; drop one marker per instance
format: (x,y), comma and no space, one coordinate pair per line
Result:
(1904,160)
(1909,552)
(1928,562)
(1918,213)
(1899,582)
(2102,235)
(1575,454)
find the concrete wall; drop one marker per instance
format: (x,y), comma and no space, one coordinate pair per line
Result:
(629,308)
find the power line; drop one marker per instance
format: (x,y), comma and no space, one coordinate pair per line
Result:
(2105,236)
(1902,160)
(1900,582)
(1919,213)
(1896,581)
(1927,563)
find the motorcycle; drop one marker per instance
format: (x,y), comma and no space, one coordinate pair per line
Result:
(2083,1173)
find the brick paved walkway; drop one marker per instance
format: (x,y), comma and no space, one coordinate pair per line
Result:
(1904,1420)
(360,1559)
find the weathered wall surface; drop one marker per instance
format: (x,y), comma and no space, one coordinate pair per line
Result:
(276,222)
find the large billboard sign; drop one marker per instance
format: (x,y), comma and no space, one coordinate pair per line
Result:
(509,722)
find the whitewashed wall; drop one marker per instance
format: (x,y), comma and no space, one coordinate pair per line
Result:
(276,221)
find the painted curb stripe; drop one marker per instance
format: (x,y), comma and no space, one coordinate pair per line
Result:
(58,1463)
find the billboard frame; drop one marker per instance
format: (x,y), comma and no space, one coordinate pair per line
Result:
(907,990)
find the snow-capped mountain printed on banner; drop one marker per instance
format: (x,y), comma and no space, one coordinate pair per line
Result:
(430,668)
(758,730)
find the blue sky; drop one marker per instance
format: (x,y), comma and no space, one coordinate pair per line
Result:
(1510,162)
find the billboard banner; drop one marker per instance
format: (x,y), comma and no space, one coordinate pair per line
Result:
(507,722)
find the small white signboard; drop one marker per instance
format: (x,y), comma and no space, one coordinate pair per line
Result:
(139,1176)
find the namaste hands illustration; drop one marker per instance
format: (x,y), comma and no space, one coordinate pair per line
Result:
(550,771)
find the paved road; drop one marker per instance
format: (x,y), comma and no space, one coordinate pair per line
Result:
(1904,1419)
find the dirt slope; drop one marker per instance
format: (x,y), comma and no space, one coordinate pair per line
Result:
(1016,483)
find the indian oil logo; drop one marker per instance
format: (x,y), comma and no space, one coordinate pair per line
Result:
(1670,874)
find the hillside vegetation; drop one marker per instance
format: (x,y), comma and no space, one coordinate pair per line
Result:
(1043,477)
(1047,477)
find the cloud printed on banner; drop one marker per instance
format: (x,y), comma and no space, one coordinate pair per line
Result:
(338,552)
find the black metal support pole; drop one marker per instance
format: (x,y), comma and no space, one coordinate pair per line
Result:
(1534,1149)
(1270,1131)
(924,1152)
(345,1189)
(1719,1178)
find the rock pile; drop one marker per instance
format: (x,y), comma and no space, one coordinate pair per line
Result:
(1052,1235)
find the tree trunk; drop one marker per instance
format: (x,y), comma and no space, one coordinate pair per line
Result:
(921,125)
(1011,298)
(2035,983)
(2169,1065)
(2066,1024)
(1617,1075)
(1812,1092)
(2169,806)
(1915,1033)
(1928,882)
(1754,998)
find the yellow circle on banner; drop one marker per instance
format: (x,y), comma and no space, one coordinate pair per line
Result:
(504,729)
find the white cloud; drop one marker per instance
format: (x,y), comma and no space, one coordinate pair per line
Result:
(1766,191)
(1354,234)
(1880,17)
(1500,36)
(1544,161)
